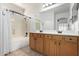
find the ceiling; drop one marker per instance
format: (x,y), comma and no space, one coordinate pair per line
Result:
(35,8)
(62,8)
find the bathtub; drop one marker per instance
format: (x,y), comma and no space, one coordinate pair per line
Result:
(19,42)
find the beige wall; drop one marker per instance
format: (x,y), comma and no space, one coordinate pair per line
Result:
(18,26)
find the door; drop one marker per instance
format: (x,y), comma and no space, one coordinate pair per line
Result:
(55,47)
(58,45)
(53,43)
(39,44)
(62,49)
(47,44)
(69,46)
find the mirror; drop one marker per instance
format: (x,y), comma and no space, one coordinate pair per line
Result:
(73,22)
(61,17)
(74,13)
(64,22)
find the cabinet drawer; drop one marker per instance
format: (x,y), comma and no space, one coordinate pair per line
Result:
(42,35)
(70,39)
(47,36)
(32,34)
(57,37)
(37,35)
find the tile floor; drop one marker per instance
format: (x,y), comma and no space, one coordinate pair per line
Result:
(25,51)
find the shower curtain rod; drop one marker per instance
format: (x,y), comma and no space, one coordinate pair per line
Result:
(18,13)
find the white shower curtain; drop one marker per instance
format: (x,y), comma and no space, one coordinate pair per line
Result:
(1,33)
(4,32)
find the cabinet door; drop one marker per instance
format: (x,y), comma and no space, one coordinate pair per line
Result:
(69,46)
(39,45)
(78,46)
(58,48)
(63,48)
(58,45)
(32,42)
(47,45)
(53,43)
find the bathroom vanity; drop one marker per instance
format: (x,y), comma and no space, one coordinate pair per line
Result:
(54,44)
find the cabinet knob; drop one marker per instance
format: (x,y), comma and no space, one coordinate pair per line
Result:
(35,39)
(59,43)
(70,39)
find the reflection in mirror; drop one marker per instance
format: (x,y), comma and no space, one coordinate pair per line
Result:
(66,23)
(74,13)
(62,24)
(73,22)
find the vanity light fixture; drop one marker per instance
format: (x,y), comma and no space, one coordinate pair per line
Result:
(47,4)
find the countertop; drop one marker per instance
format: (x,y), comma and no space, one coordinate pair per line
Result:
(55,33)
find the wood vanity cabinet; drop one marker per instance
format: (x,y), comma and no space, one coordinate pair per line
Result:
(32,41)
(55,45)
(58,44)
(47,39)
(52,46)
(69,46)
(39,43)
(63,46)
